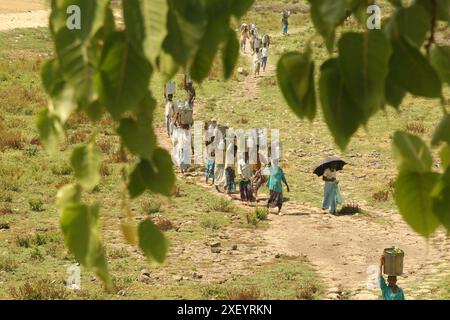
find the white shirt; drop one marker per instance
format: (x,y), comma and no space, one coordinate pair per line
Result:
(264,52)
(329,174)
(169,106)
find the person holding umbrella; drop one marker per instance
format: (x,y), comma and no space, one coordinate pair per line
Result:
(327,168)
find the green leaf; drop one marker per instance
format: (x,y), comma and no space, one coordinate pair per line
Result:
(445,156)
(92,16)
(50,129)
(62,100)
(295,73)
(152,241)
(413,197)
(326,15)
(440,60)
(78,64)
(79,224)
(411,153)
(441,199)
(443,8)
(155,14)
(363,61)
(167,66)
(124,75)
(136,184)
(76,225)
(396,3)
(342,115)
(412,23)
(186,24)
(138,136)
(230,54)
(442,131)
(411,71)
(394,93)
(240,7)
(86,162)
(218,13)
(68,195)
(156,175)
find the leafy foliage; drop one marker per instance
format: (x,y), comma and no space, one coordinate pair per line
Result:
(373,68)
(99,69)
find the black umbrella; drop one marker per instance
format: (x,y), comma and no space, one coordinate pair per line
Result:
(325,163)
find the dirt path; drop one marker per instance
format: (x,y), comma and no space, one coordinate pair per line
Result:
(340,247)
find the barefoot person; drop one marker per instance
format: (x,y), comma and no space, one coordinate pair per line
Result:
(389,291)
(275,186)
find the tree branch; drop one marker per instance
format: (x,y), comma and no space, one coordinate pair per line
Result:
(433,26)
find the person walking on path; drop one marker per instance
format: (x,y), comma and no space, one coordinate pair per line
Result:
(264,57)
(330,189)
(389,291)
(276,178)
(256,62)
(245,186)
(285,21)
(169,112)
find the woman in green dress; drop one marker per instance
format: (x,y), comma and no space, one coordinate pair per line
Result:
(275,186)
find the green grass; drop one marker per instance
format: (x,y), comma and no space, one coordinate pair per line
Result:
(34,245)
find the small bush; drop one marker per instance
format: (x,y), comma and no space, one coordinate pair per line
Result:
(62,170)
(308,290)
(104,169)
(36,254)
(350,208)
(221,205)
(35,141)
(5,196)
(210,223)
(342,294)
(251,293)
(151,206)
(23,241)
(11,140)
(261,213)
(7,263)
(77,137)
(415,127)
(381,196)
(252,218)
(105,145)
(41,289)
(36,205)
(162,223)
(31,151)
(118,253)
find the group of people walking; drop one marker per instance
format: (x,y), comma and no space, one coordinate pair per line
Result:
(243,160)
(179,120)
(259,45)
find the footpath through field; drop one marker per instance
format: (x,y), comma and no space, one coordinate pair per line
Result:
(341,248)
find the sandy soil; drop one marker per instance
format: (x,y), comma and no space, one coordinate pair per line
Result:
(340,247)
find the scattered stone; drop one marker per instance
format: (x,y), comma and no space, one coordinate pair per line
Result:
(162,222)
(145,272)
(215,250)
(234,247)
(177,278)
(4,226)
(196,275)
(215,244)
(121,293)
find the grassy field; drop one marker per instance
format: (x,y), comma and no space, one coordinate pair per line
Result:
(33,259)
